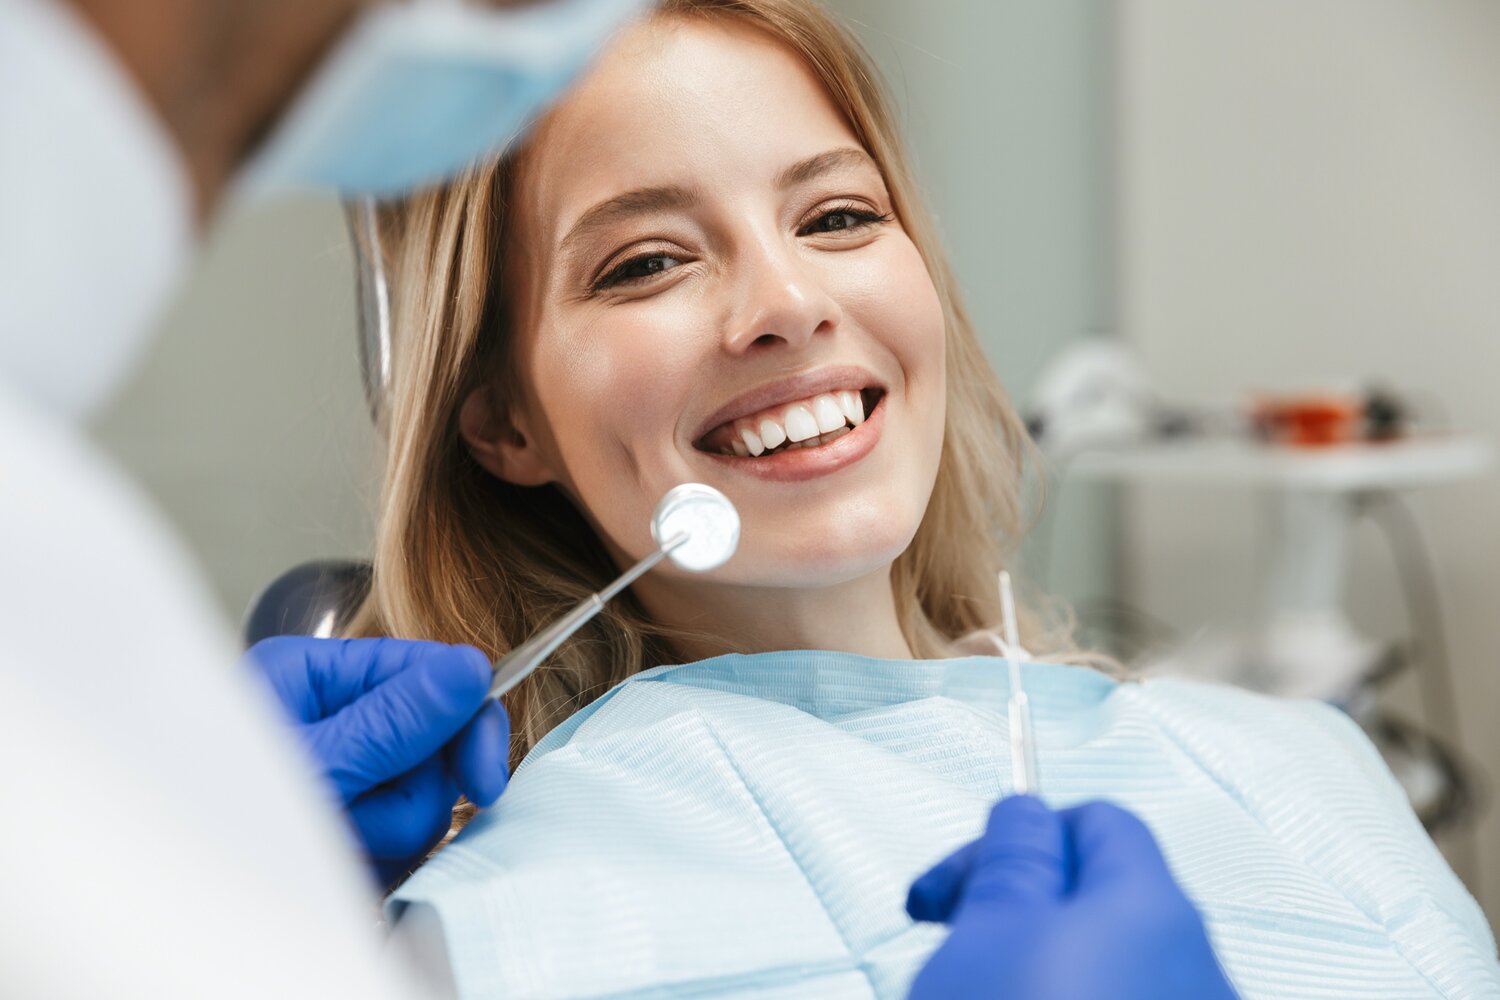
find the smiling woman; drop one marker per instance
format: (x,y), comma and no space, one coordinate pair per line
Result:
(708,264)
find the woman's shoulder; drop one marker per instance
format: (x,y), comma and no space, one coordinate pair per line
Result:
(1307,773)
(1282,739)
(1270,749)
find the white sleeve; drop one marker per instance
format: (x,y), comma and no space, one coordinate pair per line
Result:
(159,835)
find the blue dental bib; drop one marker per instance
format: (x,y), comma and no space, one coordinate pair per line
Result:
(747,826)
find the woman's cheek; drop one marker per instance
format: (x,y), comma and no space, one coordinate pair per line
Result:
(914,288)
(623,386)
(595,361)
(892,296)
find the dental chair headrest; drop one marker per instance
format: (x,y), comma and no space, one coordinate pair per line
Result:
(316,598)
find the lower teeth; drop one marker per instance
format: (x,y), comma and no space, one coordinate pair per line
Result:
(834,435)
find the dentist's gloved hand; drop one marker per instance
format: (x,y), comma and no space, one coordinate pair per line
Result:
(392,725)
(1059,905)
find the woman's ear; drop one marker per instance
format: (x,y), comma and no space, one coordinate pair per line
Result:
(500,443)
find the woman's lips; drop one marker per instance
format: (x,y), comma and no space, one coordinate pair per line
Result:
(809,463)
(806,385)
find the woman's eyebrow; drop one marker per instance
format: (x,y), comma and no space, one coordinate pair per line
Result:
(641,201)
(815,166)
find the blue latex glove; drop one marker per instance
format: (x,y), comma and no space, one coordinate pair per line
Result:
(1052,905)
(392,724)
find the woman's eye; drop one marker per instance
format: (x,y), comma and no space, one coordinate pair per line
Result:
(638,269)
(840,220)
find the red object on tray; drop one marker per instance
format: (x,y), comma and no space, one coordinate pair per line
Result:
(1313,420)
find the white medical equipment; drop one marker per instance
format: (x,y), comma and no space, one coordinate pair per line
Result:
(1098,418)
(694,524)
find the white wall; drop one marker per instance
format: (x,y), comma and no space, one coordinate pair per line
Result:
(1311,190)
(248,421)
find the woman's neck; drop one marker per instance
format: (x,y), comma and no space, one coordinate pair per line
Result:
(854,617)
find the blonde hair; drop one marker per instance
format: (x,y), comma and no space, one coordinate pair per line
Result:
(463,557)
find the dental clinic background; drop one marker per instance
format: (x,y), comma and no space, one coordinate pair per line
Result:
(1251,196)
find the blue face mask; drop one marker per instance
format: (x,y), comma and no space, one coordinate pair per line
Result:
(416,92)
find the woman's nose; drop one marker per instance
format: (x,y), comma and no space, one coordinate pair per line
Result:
(783,302)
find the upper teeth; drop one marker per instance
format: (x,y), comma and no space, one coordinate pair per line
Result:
(799,421)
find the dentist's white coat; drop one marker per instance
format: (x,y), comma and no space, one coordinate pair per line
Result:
(158,837)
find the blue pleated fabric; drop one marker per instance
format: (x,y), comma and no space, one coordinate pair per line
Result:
(747,826)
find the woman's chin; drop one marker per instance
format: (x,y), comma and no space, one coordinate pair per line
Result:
(817,562)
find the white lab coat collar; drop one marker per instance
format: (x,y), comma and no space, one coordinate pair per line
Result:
(95,213)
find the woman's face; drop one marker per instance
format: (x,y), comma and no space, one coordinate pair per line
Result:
(709,285)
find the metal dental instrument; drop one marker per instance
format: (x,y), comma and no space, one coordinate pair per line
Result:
(373,291)
(695,525)
(1022,738)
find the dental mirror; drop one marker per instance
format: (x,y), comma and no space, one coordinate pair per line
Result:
(708,519)
(695,525)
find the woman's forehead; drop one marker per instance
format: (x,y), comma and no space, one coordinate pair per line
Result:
(686,103)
